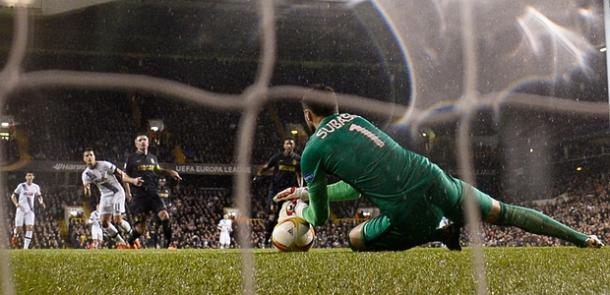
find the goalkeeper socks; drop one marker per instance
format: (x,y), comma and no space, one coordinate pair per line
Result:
(113,233)
(27,239)
(538,223)
(167,231)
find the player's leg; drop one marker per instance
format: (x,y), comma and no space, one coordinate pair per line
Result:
(15,238)
(106,209)
(111,231)
(448,193)
(403,232)
(19,227)
(222,239)
(117,214)
(96,236)
(378,234)
(271,221)
(29,229)
(167,229)
(356,238)
(139,210)
(137,230)
(227,240)
(163,215)
(27,238)
(534,222)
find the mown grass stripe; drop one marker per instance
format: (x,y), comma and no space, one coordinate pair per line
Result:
(562,270)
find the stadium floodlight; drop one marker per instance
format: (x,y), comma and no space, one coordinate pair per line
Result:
(156,125)
(5,124)
(49,7)
(11,3)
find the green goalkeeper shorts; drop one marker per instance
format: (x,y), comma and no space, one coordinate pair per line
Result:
(445,197)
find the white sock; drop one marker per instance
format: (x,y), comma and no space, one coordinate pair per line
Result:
(27,239)
(125,226)
(112,233)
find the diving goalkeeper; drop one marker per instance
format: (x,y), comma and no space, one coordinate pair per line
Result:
(412,193)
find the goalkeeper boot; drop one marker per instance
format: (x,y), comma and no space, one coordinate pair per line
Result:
(451,237)
(593,242)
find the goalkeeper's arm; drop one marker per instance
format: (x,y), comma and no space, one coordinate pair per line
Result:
(320,195)
(339,191)
(318,210)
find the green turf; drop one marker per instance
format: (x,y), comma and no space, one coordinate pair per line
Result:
(419,271)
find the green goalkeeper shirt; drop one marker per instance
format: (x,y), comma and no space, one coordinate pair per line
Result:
(368,162)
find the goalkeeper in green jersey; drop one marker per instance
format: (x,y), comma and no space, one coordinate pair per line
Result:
(412,193)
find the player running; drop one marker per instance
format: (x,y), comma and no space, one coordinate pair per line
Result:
(146,197)
(286,173)
(412,193)
(23,199)
(105,176)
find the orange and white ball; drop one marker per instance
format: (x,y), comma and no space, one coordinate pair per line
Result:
(293,234)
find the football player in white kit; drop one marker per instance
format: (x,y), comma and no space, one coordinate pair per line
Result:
(23,199)
(97,236)
(105,176)
(226,227)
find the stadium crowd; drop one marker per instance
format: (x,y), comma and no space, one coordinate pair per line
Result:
(196,211)
(88,119)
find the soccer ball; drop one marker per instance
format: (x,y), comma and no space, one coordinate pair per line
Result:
(293,234)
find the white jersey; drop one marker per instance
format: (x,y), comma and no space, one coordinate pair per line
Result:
(102,175)
(94,218)
(26,194)
(225,225)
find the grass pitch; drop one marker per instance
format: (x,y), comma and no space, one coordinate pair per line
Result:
(561,270)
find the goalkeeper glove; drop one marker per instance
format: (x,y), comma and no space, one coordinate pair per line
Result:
(291,208)
(292,193)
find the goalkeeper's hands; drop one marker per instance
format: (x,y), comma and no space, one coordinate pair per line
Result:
(292,193)
(291,208)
